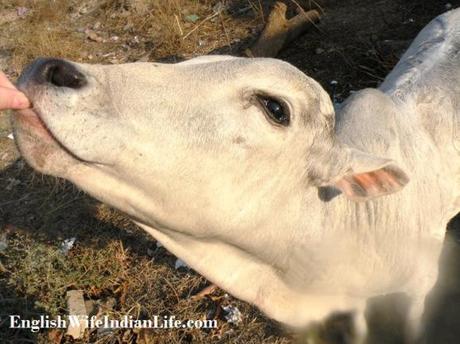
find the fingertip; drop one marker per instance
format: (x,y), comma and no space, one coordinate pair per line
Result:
(21,102)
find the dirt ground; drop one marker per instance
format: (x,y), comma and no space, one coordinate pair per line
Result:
(121,270)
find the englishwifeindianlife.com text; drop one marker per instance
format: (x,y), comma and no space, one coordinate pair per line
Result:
(158,322)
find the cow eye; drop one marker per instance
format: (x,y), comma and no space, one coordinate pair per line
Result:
(275,110)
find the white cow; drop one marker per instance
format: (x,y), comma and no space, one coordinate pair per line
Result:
(241,168)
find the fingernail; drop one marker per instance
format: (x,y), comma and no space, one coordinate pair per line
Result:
(21,101)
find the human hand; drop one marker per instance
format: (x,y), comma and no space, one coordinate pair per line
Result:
(10,97)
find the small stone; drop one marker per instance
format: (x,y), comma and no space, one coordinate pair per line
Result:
(12,182)
(128,27)
(67,245)
(93,36)
(180,264)
(448,6)
(107,304)
(144,58)
(219,7)
(232,314)
(22,11)
(20,165)
(319,51)
(3,245)
(192,18)
(76,307)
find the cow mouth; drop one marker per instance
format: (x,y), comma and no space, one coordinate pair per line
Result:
(31,127)
(30,120)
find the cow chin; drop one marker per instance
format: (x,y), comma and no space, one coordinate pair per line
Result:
(38,146)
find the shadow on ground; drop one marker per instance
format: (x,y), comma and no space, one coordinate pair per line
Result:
(52,210)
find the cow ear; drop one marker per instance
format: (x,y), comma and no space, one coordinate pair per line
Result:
(368,177)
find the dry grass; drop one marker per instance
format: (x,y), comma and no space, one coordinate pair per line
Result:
(43,272)
(126,31)
(42,33)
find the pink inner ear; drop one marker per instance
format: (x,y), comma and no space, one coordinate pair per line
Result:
(368,185)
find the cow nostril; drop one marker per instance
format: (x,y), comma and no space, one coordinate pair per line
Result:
(64,74)
(57,72)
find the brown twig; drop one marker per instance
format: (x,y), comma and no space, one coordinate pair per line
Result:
(279,31)
(204,292)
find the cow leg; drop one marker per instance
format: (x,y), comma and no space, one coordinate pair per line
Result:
(415,325)
(360,326)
